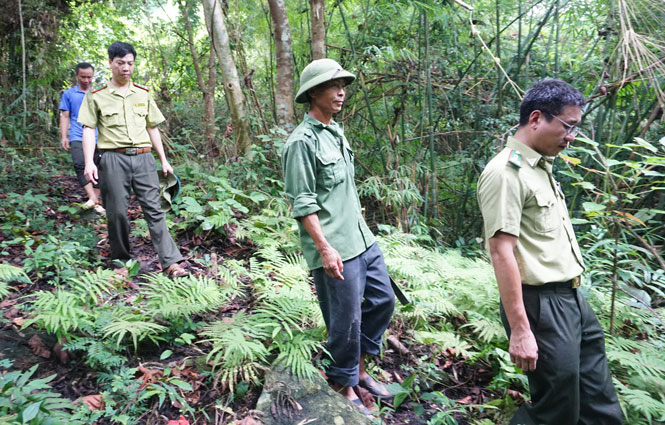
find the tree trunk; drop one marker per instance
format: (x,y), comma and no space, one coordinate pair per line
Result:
(236,100)
(207,90)
(318,12)
(284,52)
(209,101)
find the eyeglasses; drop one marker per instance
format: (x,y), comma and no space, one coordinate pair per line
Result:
(570,129)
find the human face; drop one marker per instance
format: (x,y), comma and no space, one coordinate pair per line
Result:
(84,78)
(122,68)
(328,98)
(555,135)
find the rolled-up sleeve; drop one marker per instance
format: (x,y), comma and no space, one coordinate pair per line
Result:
(88,113)
(501,200)
(299,164)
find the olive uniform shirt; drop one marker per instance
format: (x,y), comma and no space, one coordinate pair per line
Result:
(319,178)
(121,120)
(518,195)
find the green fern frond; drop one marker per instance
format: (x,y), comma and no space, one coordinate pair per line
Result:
(643,402)
(444,340)
(184,296)
(94,286)
(488,330)
(296,352)
(59,312)
(9,273)
(137,326)
(237,350)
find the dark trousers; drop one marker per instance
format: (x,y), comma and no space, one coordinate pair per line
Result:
(119,174)
(76,149)
(357,311)
(572,384)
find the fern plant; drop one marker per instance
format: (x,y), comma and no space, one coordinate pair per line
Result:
(9,273)
(237,350)
(184,296)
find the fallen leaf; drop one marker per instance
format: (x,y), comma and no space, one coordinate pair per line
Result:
(7,303)
(18,321)
(60,353)
(465,400)
(248,421)
(38,347)
(94,402)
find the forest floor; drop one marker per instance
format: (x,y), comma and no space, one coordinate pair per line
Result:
(75,380)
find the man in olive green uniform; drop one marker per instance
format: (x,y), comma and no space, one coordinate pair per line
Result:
(350,275)
(127,119)
(554,335)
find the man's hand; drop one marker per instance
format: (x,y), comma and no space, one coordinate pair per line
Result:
(332,262)
(64,142)
(90,172)
(523,350)
(166,168)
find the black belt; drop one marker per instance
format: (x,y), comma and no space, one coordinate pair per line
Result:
(552,286)
(130,151)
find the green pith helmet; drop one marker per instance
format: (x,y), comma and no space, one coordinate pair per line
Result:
(318,72)
(169,189)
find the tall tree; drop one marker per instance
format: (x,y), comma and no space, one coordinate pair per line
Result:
(317,10)
(207,90)
(284,52)
(236,100)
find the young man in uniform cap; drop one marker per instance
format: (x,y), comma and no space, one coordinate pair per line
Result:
(71,132)
(127,118)
(350,275)
(554,335)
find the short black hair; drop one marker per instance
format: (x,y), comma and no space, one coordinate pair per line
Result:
(82,65)
(120,49)
(549,96)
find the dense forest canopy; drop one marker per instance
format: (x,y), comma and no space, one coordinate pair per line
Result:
(438,90)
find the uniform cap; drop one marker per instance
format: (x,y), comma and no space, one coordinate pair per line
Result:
(318,72)
(169,189)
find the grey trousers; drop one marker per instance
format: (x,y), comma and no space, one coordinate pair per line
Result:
(76,149)
(118,175)
(572,384)
(357,311)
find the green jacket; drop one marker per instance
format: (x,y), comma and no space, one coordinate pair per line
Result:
(319,179)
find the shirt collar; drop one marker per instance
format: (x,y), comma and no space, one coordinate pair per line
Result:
(112,89)
(531,156)
(333,127)
(78,89)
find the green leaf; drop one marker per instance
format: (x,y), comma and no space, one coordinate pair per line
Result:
(31,412)
(181,384)
(165,355)
(592,207)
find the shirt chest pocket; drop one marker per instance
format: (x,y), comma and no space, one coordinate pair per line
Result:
(111,116)
(545,213)
(140,113)
(331,169)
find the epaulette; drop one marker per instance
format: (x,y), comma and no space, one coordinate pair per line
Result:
(141,87)
(308,132)
(99,87)
(515,158)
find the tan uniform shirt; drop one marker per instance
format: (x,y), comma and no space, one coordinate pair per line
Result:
(121,120)
(518,195)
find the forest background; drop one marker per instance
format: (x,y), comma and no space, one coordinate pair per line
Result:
(438,88)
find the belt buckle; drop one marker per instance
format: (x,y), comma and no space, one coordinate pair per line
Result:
(131,151)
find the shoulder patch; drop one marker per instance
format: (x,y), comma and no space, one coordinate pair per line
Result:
(99,87)
(141,87)
(515,158)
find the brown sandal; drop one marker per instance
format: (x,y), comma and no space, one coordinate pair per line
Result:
(175,270)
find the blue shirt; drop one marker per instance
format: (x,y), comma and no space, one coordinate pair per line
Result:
(71,101)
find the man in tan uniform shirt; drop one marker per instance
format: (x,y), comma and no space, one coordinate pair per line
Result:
(554,335)
(127,119)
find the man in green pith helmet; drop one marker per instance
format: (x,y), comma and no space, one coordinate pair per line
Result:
(352,283)
(127,118)
(554,335)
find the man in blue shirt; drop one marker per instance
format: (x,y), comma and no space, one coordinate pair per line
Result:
(71,132)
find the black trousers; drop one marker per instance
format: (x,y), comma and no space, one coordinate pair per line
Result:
(572,384)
